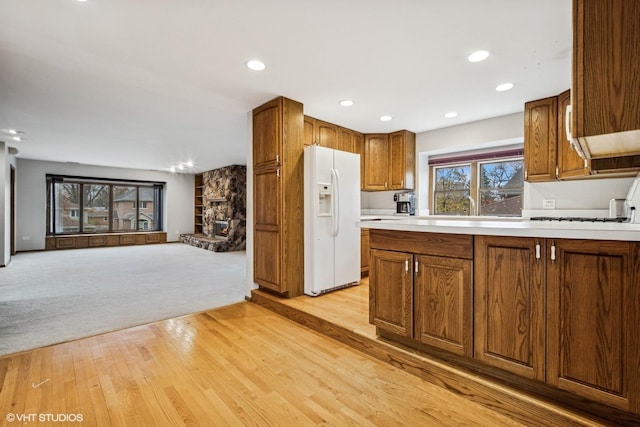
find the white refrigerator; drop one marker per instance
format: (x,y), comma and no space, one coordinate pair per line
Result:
(331,210)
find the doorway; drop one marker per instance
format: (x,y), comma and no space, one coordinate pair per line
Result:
(12,214)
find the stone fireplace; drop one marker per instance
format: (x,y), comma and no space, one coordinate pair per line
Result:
(224,210)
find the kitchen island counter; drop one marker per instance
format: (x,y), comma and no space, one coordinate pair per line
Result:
(513,227)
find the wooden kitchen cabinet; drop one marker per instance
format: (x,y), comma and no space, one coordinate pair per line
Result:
(358,148)
(593,344)
(443,291)
(605,85)
(540,139)
(421,288)
(509,304)
(278,144)
(318,132)
(570,164)
(376,156)
(391,292)
(402,161)
(364,252)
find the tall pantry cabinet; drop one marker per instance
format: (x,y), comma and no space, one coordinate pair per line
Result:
(278,171)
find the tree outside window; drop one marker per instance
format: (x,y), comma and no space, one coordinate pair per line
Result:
(452,190)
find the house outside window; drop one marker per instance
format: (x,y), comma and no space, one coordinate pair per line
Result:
(487,184)
(92,205)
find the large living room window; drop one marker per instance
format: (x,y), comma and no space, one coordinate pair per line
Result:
(488,184)
(92,205)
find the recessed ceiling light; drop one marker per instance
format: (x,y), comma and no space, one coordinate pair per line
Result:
(189,164)
(181,166)
(450,115)
(256,65)
(12,131)
(17,138)
(385,118)
(477,56)
(346,102)
(172,169)
(504,86)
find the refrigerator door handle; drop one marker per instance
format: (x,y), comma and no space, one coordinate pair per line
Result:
(335,225)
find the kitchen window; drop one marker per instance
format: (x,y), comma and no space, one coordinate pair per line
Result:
(77,205)
(487,184)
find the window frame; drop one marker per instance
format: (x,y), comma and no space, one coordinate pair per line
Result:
(474,190)
(52,200)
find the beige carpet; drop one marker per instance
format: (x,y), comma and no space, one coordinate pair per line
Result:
(57,296)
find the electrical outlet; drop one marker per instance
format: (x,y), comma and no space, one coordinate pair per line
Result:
(549,204)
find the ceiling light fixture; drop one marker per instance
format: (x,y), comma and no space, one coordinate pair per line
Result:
(12,131)
(346,102)
(477,56)
(172,169)
(504,86)
(17,138)
(385,118)
(256,65)
(181,166)
(450,115)
(189,164)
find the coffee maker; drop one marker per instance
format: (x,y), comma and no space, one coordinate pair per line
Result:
(405,203)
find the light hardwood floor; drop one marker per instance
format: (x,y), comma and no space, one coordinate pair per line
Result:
(237,365)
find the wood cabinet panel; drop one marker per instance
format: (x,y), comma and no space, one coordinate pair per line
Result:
(402,161)
(266,142)
(443,289)
(376,172)
(278,253)
(345,140)
(592,332)
(540,139)
(364,252)
(440,244)
(391,292)
(606,48)
(509,304)
(570,164)
(358,148)
(309,137)
(326,134)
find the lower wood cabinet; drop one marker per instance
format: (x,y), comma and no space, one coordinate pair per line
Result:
(101,240)
(364,252)
(420,294)
(560,312)
(593,318)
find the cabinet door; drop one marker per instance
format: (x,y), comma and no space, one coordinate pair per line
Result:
(358,148)
(443,311)
(345,140)
(364,252)
(606,48)
(509,304)
(391,292)
(376,147)
(309,124)
(570,164)
(326,134)
(402,146)
(540,127)
(267,143)
(267,233)
(592,347)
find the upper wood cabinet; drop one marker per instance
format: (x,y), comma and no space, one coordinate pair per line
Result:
(278,255)
(509,303)
(390,161)
(376,157)
(570,164)
(540,133)
(358,148)
(548,155)
(605,85)
(318,132)
(402,162)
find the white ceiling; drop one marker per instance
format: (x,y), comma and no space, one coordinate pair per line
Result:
(150,83)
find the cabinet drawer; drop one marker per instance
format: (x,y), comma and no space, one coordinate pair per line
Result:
(440,244)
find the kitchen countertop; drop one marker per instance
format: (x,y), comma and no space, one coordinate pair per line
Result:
(517,227)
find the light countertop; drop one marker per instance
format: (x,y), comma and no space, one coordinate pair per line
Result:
(516,227)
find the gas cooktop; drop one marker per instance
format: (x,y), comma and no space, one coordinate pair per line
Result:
(577,219)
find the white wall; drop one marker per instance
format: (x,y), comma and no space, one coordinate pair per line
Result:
(31,197)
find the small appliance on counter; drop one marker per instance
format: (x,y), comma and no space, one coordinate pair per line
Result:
(405,203)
